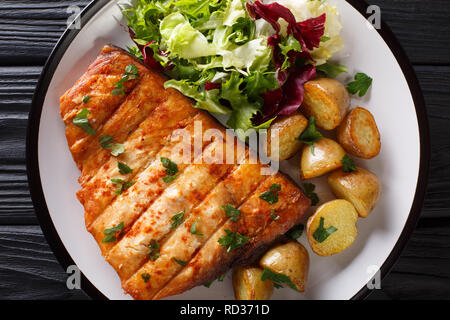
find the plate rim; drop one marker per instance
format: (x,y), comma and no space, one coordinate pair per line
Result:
(32,163)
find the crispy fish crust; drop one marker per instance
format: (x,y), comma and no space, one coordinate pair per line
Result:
(151,123)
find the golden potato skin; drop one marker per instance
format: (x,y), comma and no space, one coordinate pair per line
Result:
(247,284)
(340,214)
(327,157)
(327,100)
(289,129)
(290,259)
(359,134)
(362,188)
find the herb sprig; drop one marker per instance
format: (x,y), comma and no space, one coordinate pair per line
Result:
(271,196)
(111,233)
(233,240)
(311,135)
(131,73)
(321,234)
(82,121)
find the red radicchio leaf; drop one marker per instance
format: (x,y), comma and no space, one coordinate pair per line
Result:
(287,99)
(212,85)
(312,31)
(294,88)
(147,54)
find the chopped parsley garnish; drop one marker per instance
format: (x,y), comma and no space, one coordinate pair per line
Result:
(177,219)
(122,185)
(349,164)
(308,189)
(194,228)
(107,143)
(232,240)
(180,262)
(123,168)
(271,196)
(82,121)
(222,277)
(86,99)
(330,70)
(296,232)
(273,215)
(112,232)
(311,135)
(171,170)
(131,73)
(146,277)
(324,39)
(277,278)
(360,85)
(321,234)
(208,285)
(232,213)
(153,250)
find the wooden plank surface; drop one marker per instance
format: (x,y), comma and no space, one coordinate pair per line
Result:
(30,29)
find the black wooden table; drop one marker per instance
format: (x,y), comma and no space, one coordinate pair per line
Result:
(28,31)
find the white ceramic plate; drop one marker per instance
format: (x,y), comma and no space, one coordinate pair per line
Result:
(395,100)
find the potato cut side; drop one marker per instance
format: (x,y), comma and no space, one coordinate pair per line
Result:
(362,188)
(248,285)
(359,134)
(326,157)
(327,100)
(290,259)
(286,129)
(339,214)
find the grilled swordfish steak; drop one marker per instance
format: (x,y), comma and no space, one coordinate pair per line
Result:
(167,204)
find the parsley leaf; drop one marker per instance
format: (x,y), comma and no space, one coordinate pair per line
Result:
(154,249)
(232,240)
(277,278)
(311,135)
(271,196)
(171,169)
(360,85)
(330,70)
(273,215)
(349,164)
(309,188)
(86,99)
(107,143)
(177,219)
(296,232)
(123,168)
(146,277)
(321,234)
(111,233)
(324,39)
(131,73)
(122,185)
(194,228)
(82,121)
(181,263)
(232,213)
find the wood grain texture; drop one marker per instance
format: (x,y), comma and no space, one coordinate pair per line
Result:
(28,31)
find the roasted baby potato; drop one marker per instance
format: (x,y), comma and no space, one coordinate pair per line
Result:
(326,157)
(362,188)
(327,100)
(332,228)
(289,129)
(359,134)
(290,259)
(248,285)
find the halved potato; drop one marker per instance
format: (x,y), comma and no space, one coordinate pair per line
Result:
(248,285)
(290,259)
(362,188)
(289,128)
(326,157)
(327,100)
(359,134)
(339,214)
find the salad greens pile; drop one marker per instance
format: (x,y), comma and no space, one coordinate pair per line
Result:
(246,59)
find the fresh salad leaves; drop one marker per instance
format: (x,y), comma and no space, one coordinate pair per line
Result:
(230,56)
